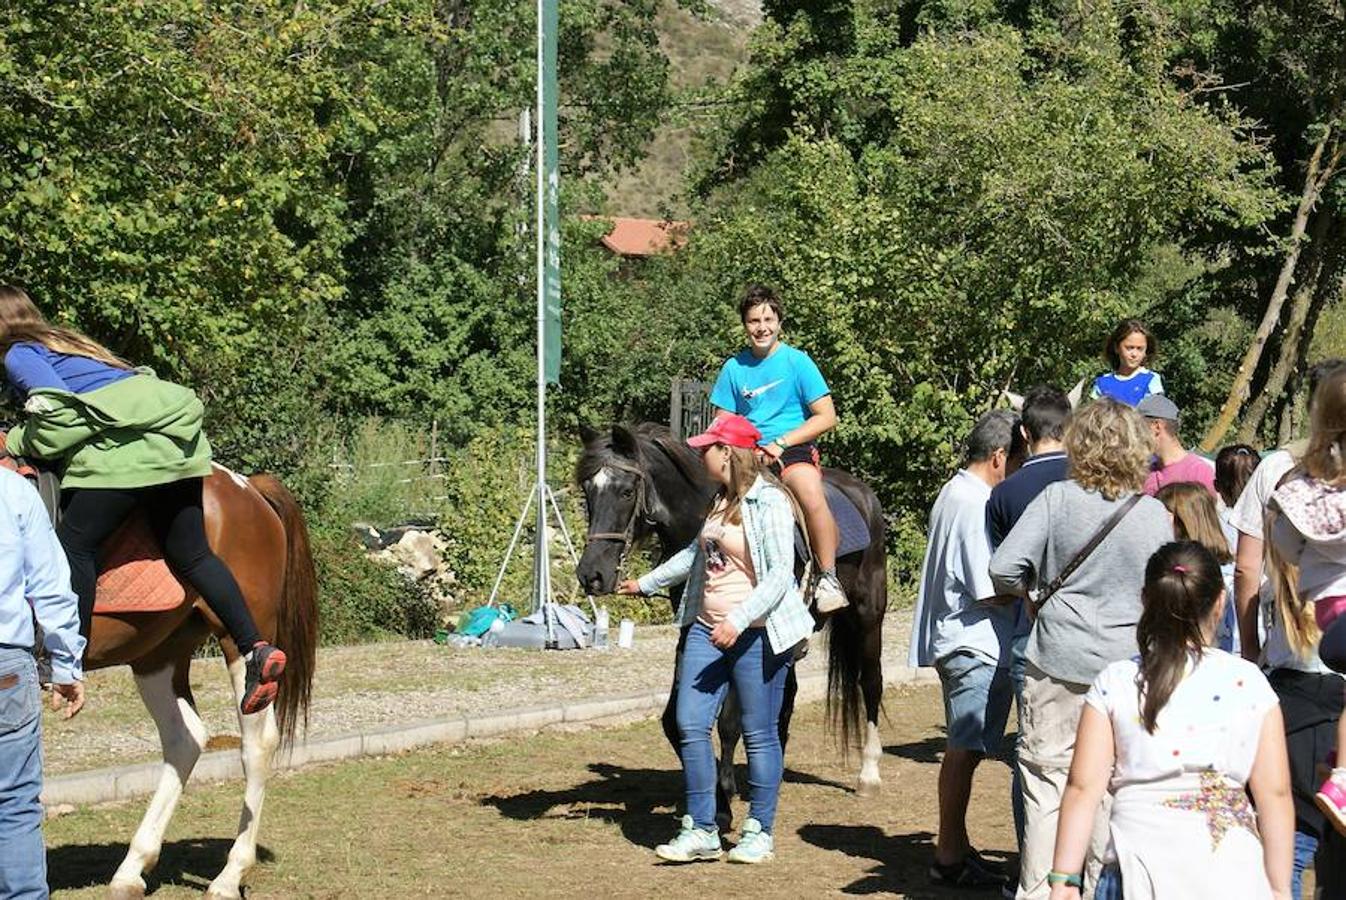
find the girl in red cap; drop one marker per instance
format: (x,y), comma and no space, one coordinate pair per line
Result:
(746,616)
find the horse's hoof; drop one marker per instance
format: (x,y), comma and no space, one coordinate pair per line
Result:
(869,787)
(120,890)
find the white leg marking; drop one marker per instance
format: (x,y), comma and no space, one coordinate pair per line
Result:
(261,737)
(182,735)
(870,783)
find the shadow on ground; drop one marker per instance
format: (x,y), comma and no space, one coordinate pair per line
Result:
(901,862)
(190,864)
(931,749)
(642,802)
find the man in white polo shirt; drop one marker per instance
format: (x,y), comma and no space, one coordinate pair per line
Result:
(1311,695)
(967,641)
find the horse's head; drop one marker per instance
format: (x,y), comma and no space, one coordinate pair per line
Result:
(615,487)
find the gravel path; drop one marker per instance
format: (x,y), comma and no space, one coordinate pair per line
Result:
(375,685)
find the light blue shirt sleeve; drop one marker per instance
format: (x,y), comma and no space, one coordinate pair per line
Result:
(46,582)
(812,385)
(723,394)
(1156,383)
(672,571)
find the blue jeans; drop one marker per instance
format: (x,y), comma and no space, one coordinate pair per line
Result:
(1109,885)
(23,857)
(1306,845)
(759,676)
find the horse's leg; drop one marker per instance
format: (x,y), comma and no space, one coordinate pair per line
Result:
(260,738)
(730,726)
(787,707)
(871,686)
(669,720)
(166,692)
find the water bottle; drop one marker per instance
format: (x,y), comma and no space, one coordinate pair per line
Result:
(601,629)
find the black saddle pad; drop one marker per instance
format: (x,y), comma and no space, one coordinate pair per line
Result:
(852,529)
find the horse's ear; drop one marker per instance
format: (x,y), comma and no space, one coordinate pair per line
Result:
(1016,401)
(624,441)
(588,434)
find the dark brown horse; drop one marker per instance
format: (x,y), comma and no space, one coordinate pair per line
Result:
(256,528)
(641,482)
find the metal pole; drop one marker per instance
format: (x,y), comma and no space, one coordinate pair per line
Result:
(542,569)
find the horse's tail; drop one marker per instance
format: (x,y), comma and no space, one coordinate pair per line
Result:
(297,615)
(845,646)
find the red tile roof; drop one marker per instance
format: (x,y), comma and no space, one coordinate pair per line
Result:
(643,237)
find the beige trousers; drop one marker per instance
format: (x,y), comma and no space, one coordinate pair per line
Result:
(1050,717)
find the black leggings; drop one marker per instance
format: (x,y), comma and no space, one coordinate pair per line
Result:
(89,516)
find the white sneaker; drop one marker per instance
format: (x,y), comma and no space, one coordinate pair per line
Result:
(755,846)
(691,844)
(828,595)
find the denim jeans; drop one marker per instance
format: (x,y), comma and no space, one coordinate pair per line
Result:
(1306,845)
(23,857)
(759,676)
(1109,885)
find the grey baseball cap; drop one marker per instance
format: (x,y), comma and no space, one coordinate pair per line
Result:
(1157,406)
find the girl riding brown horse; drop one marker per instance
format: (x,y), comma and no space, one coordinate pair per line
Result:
(124,439)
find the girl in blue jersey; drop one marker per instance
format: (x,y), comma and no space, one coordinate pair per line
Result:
(780,390)
(1128,349)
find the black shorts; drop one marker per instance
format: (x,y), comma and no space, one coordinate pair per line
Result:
(800,454)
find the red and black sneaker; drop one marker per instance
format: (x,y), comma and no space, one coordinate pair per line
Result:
(265,666)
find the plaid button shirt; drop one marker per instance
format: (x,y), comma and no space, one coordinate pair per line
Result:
(768,530)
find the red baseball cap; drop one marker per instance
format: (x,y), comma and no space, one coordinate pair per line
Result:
(729,429)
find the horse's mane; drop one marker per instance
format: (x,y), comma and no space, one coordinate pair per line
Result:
(599,452)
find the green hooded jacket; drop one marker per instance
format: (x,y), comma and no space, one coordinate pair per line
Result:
(133,433)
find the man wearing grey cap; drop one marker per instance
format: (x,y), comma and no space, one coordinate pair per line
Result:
(1172,462)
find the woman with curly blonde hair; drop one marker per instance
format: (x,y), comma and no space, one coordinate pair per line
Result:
(1086,604)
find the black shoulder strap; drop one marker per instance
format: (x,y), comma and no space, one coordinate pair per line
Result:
(1103,531)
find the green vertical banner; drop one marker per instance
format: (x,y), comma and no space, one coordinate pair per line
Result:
(551,219)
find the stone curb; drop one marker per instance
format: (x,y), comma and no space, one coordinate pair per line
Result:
(126,782)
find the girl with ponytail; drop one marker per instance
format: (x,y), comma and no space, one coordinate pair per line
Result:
(1306,522)
(1185,731)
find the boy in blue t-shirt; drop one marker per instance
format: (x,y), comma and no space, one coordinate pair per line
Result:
(780,390)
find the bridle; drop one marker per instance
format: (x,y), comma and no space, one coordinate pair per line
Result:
(638,511)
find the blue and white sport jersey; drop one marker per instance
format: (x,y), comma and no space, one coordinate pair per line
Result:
(773,393)
(30,365)
(1130,389)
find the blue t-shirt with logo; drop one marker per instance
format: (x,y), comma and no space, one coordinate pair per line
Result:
(773,393)
(1129,390)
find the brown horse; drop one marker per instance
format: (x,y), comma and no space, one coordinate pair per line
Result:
(256,528)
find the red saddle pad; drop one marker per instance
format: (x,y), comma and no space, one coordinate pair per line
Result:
(133,576)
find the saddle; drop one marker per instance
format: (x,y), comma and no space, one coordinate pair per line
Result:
(133,576)
(852,530)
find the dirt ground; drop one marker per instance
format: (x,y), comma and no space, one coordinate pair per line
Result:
(397,682)
(555,814)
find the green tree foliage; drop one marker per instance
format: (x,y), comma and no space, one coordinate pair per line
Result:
(977,213)
(281,203)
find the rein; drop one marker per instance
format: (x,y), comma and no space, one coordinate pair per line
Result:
(628,535)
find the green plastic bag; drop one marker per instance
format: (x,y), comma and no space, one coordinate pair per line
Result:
(477,622)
